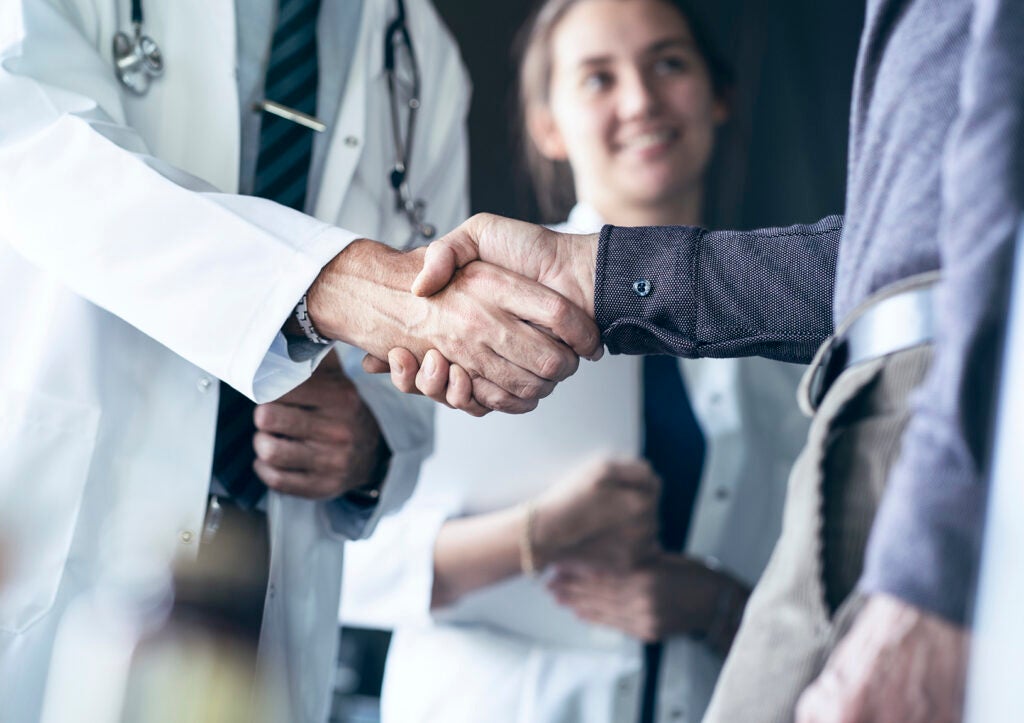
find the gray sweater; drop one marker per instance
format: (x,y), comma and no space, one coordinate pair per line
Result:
(935,181)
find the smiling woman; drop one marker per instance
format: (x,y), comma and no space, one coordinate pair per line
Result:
(558,591)
(642,89)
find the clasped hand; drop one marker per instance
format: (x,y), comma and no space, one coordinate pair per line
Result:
(484,357)
(320,440)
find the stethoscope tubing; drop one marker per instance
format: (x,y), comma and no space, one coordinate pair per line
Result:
(137,60)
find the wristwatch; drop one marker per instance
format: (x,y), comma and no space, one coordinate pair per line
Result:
(369,494)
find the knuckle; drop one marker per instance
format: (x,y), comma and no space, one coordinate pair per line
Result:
(338,433)
(260,444)
(496,399)
(263,415)
(558,309)
(503,338)
(338,460)
(271,477)
(481,220)
(528,389)
(477,272)
(272,454)
(513,405)
(434,387)
(270,417)
(545,389)
(557,365)
(268,449)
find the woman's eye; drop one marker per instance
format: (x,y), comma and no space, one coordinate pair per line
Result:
(599,80)
(671,64)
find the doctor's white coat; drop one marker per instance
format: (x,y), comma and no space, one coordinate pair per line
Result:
(132,278)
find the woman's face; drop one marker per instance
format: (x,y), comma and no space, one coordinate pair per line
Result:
(631,106)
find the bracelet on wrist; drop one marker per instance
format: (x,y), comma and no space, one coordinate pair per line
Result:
(527,552)
(306,323)
(369,494)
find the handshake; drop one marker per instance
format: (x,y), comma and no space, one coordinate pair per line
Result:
(490,317)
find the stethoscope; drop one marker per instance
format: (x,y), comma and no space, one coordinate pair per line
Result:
(396,36)
(138,60)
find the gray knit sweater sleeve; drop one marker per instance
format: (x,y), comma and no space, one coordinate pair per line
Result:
(925,543)
(695,293)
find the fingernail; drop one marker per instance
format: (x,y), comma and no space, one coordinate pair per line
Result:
(397,366)
(428,365)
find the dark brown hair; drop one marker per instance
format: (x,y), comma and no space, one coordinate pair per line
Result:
(552,181)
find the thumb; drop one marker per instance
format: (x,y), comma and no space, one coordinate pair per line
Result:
(444,257)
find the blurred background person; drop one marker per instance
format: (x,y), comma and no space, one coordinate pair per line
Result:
(621,101)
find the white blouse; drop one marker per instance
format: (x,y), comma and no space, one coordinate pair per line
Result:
(510,653)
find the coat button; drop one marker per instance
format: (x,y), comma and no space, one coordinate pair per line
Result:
(351,141)
(642,287)
(204,384)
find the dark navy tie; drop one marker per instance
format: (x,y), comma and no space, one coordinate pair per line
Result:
(286,148)
(674,445)
(282,170)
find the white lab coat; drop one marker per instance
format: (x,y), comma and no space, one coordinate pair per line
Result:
(509,653)
(131,278)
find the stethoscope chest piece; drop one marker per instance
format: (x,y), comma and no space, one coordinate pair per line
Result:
(137,60)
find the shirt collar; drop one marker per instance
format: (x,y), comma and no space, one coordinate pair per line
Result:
(584,219)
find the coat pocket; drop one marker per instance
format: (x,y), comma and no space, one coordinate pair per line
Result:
(46,447)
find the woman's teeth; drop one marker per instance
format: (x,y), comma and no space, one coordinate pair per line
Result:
(648,140)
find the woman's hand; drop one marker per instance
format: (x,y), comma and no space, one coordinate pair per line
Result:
(669,595)
(605,517)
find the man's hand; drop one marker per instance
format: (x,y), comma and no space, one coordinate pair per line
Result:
(668,595)
(603,517)
(318,441)
(512,336)
(563,262)
(898,664)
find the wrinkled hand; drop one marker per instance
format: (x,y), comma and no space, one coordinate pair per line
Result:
(503,330)
(898,664)
(560,261)
(668,595)
(563,262)
(318,441)
(604,517)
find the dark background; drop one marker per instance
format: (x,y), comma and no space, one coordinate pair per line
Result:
(782,158)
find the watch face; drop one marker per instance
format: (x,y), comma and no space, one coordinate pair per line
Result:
(362,498)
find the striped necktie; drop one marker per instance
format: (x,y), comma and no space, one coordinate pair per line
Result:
(674,445)
(282,171)
(286,148)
